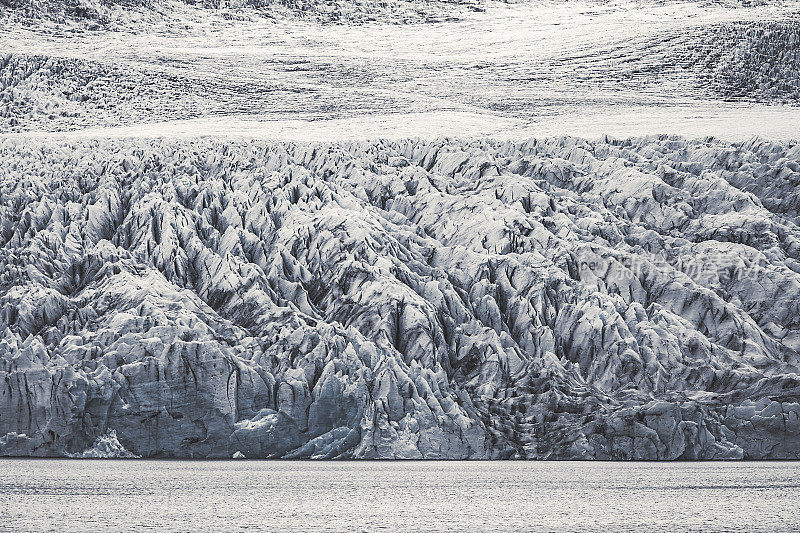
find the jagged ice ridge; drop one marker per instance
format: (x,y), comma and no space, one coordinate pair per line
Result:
(553,298)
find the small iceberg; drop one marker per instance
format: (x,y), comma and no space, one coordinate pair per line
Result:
(106,446)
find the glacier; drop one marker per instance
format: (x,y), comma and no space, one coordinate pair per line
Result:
(553,298)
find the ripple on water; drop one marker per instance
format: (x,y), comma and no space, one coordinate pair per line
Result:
(215,496)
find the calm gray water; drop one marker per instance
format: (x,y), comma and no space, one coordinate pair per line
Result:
(105,495)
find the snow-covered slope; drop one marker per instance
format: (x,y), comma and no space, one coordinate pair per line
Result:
(555,298)
(661,67)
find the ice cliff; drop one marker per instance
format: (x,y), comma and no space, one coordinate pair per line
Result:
(553,298)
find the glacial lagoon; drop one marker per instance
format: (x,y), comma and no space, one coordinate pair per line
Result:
(112,495)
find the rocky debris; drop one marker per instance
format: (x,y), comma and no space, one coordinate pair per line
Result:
(556,298)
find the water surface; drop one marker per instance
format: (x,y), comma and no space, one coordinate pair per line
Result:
(105,495)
